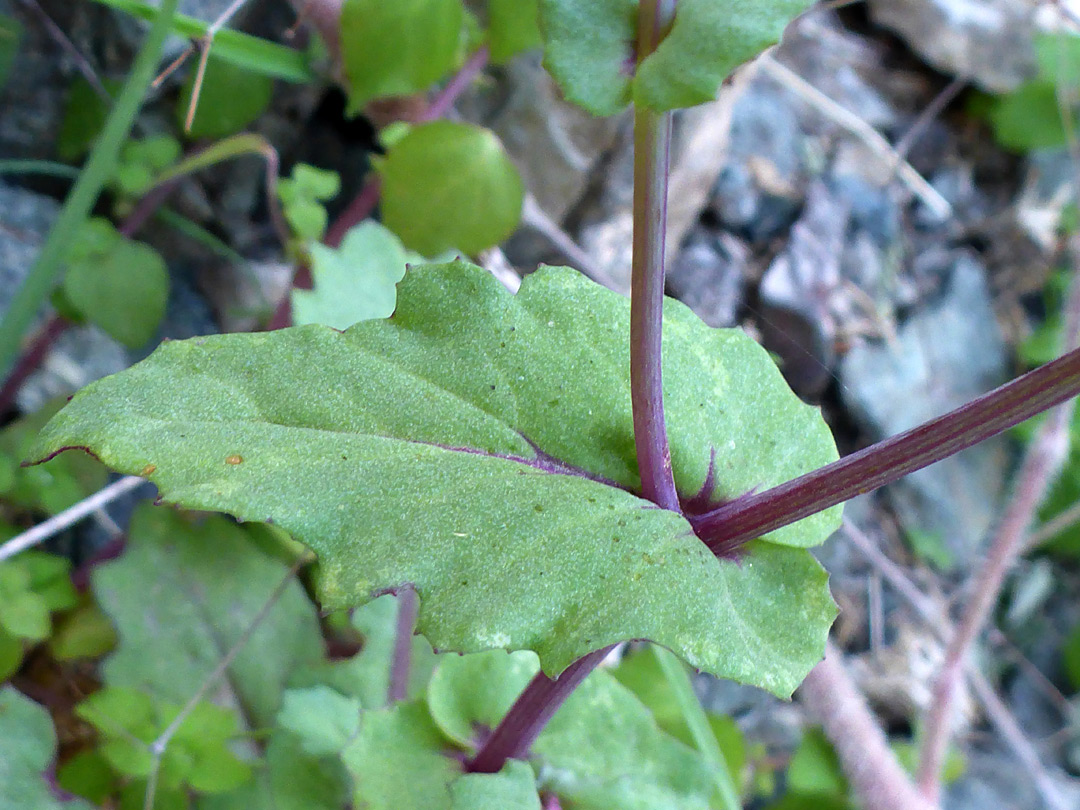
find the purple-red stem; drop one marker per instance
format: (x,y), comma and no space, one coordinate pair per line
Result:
(530,713)
(652,146)
(543,696)
(30,360)
(401,664)
(755,514)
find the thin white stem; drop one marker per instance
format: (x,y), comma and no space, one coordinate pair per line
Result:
(995,709)
(69,517)
(876,776)
(159,745)
(863,131)
(224,18)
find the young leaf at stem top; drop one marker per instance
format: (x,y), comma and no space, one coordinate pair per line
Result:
(480,446)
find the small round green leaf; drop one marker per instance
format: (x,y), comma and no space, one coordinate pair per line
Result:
(709,39)
(122,287)
(230,98)
(354,282)
(398,48)
(589,50)
(448,185)
(513,27)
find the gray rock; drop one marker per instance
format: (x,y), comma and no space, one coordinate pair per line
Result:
(32,99)
(79,356)
(989,41)
(708,276)
(758,193)
(554,144)
(25,219)
(948,353)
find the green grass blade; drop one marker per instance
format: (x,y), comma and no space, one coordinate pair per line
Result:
(694,715)
(99,168)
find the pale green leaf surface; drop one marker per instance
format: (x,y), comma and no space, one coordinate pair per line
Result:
(322,719)
(513,27)
(56,485)
(352,283)
(290,780)
(513,788)
(709,39)
(27,746)
(366,676)
(448,185)
(605,750)
(503,553)
(398,763)
(602,749)
(640,672)
(589,50)
(471,693)
(182,595)
(399,48)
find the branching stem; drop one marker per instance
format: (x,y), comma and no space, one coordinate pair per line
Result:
(755,514)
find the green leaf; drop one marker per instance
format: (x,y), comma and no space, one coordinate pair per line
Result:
(11,654)
(56,485)
(118,284)
(398,762)
(301,196)
(355,282)
(709,39)
(27,746)
(84,116)
(199,609)
(127,721)
(323,720)
(448,185)
(197,756)
(366,676)
(141,161)
(242,50)
(589,51)
(50,579)
(84,633)
(471,693)
(1028,118)
(815,767)
(23,613)
(467,422)
(231,97)
(513,27)
(87,774)
(291,780)
(10,34)
(640,672)
(513,788)
(399,48)
(602,749)
(1070,657)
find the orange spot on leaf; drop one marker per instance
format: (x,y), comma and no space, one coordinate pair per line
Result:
(148,470)
(234,459)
